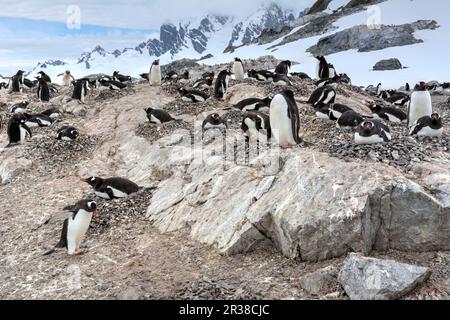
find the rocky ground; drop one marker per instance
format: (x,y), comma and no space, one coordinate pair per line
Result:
(135,252)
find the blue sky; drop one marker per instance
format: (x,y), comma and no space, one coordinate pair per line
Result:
(33,31)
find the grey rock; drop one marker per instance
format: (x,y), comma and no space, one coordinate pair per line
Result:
(322,281)
(373,279)
(388,64)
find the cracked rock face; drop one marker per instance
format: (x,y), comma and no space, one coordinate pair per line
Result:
(374,279)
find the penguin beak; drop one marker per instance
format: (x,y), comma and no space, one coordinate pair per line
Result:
(85,180)
(95,214)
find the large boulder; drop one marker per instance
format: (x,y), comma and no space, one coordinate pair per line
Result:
(12,164)
(388,64)
(373,279)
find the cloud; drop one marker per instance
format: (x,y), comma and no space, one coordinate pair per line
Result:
(137,14)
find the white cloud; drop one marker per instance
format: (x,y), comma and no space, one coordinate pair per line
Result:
(142,14)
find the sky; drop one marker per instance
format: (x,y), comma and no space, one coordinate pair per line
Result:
(33,31)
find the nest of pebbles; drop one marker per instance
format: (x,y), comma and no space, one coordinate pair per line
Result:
(217,289)
(114,94)
(153,132)
(179,107)
(118,211)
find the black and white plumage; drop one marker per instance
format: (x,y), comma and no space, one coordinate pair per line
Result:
(204,83)
(44,76)
(171,75)
(255,123)
(262,75)
(397,98)
(374,90)
(420,104)
(80,89)
(157,116)
(208,74)
(67,79)
(253,104)
(38,120)
(154,74)
(285,119)
(28,84)
(17,130)
(238,69)
(19,107)
(332,111)
(67,133)
(214,121)
(332,71)
(323,70)
(144,76)
(221,85)
(322,96)
(112,188)
(3,85)
(193,95)
(300,75)
(337,79)
(428,126)
(113,84)
(281,80)
(17,81)
(349,119)
(283,67)
(43,92)
(388,113)
(53,113)
(371,132)
(75,226)
(120,77)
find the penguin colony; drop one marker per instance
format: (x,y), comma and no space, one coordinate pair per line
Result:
(276,117)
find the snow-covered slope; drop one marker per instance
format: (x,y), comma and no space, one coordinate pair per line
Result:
(214,34)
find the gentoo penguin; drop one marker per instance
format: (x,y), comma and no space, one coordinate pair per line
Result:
(285,119)
(19,107)
(112,188)
(67,78)
(193,95)
(428,126)
(349,119)
(388,113)
(323,70)
(262,75)
(43,75)
(75,226)
(332,71)
(221,85)
(253,104)
(157,116)
(300,75)
(208,74)
(253,123)
(214,121)
(332,111)
(3,85)
(120,77)
(420,104)
(283,67)
(28,84)
(204,83)
(67,133)
(80,89)
(38,120)
(371,132)
(43,92)
(332,82)
(53,113)
(155,74)
(17,81)
(322,96)
(144,76)
(407,87)
(171,75)
(238,69)
(398,99)
(374,90)
(17,129)
(185,75)
(281,80)
(114,85)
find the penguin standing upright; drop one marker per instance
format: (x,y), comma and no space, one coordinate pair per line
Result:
(67,78)
(75,227)
(285,119)
(43,75)
(17,81)
(155,74)
(43,91)
(80,89)
(283,67)
(420,104)
(221,85)
(238,69)
(17,129)
(323,71)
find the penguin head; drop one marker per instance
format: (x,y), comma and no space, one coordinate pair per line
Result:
(74,133)
(422,86)
(367,126)
(156,62)
(268,100)
(93,181)
(215,116)
(115,73)
(376,107)
(435,118)
(182,90)
(89,206)
(289,94)
(148,110)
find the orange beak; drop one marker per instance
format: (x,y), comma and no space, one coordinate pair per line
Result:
(96,214)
